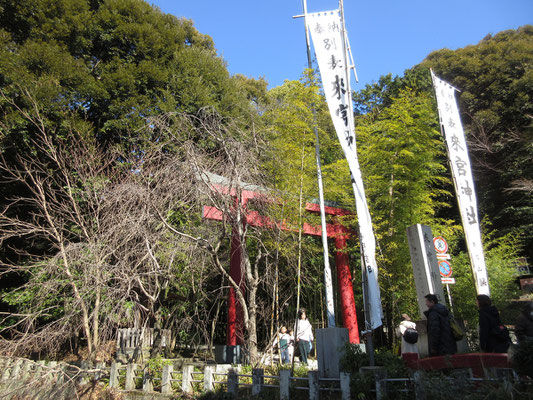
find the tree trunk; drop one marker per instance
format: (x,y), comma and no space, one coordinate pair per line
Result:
(96,327)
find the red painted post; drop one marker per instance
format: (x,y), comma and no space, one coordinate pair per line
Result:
(235,333)
(344,277)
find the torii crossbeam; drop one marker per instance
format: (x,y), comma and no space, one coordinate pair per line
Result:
(337,231)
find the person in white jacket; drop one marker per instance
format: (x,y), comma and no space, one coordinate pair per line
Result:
(404,325)
(304,335)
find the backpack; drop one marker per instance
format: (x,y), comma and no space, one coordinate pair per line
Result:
(457,331)
(500,333)
(410,335)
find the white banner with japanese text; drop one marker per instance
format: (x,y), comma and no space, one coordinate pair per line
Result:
(325,29)
(462,176)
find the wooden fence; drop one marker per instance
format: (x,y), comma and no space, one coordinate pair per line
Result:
(190,379)
(130,338)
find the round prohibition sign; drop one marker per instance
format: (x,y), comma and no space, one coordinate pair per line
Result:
(445,268)
(441,246)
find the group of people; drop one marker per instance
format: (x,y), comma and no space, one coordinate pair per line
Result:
(493,335)
(304,339)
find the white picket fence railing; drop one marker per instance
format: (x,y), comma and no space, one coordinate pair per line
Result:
(189,379)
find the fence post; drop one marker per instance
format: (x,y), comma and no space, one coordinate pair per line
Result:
(284,384)
(51,375)
(25,370)
(38,368)
(113,375)
(208,379)
(233,382)
(345,386)
(420,393)
(16,368)
(100,367)
(84,366)
(314,385)
(7,369)
(380,375)
(130,376)
(258,379)
(166,382)
(186,386)
(147,381)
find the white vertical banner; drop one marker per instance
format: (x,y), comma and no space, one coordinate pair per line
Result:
(325,29)
(462,177)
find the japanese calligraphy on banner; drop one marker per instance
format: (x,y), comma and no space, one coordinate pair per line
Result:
(325,29)
(462,177)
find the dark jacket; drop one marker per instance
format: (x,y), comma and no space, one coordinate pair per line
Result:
(440,339)
(524,324)
(489,324)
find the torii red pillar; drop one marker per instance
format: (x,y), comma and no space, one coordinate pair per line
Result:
(234,332)
(344,277)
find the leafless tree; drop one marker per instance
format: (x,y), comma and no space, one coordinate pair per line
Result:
(209,145)
(105,233)
(87,242)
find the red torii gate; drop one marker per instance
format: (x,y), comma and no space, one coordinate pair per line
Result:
(336,230)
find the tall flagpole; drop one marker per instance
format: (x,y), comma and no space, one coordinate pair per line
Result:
(327,269)
(368,325)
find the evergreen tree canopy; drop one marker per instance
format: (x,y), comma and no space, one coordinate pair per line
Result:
(113,62)
(496,82)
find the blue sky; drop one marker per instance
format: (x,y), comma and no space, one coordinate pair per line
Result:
(261,39)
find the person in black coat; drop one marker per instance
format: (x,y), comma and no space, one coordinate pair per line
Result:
(493,336)
(440,339)
(524,324)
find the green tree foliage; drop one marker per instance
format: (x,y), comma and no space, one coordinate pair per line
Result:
(95,74)
(403,166)
(496,82)
(113,62)
(291,164)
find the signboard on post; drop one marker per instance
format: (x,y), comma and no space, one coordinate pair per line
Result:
(445,268)
(425,266)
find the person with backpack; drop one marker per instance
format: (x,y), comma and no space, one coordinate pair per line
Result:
(409,335)
(493,335)
(440,338)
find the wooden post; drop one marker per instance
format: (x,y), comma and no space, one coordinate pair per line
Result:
(51,375)
(99,366)
(345,385)
(16,368)
(113,375)
(314,385)
(166,382)
(420,393)
(38,368)
(186,386)
(130,376)
(208,379)
(83,379)
(258,379)
(284,384)
(233,382)
(7,370)
(380,376)
(25,370)
(147,381)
